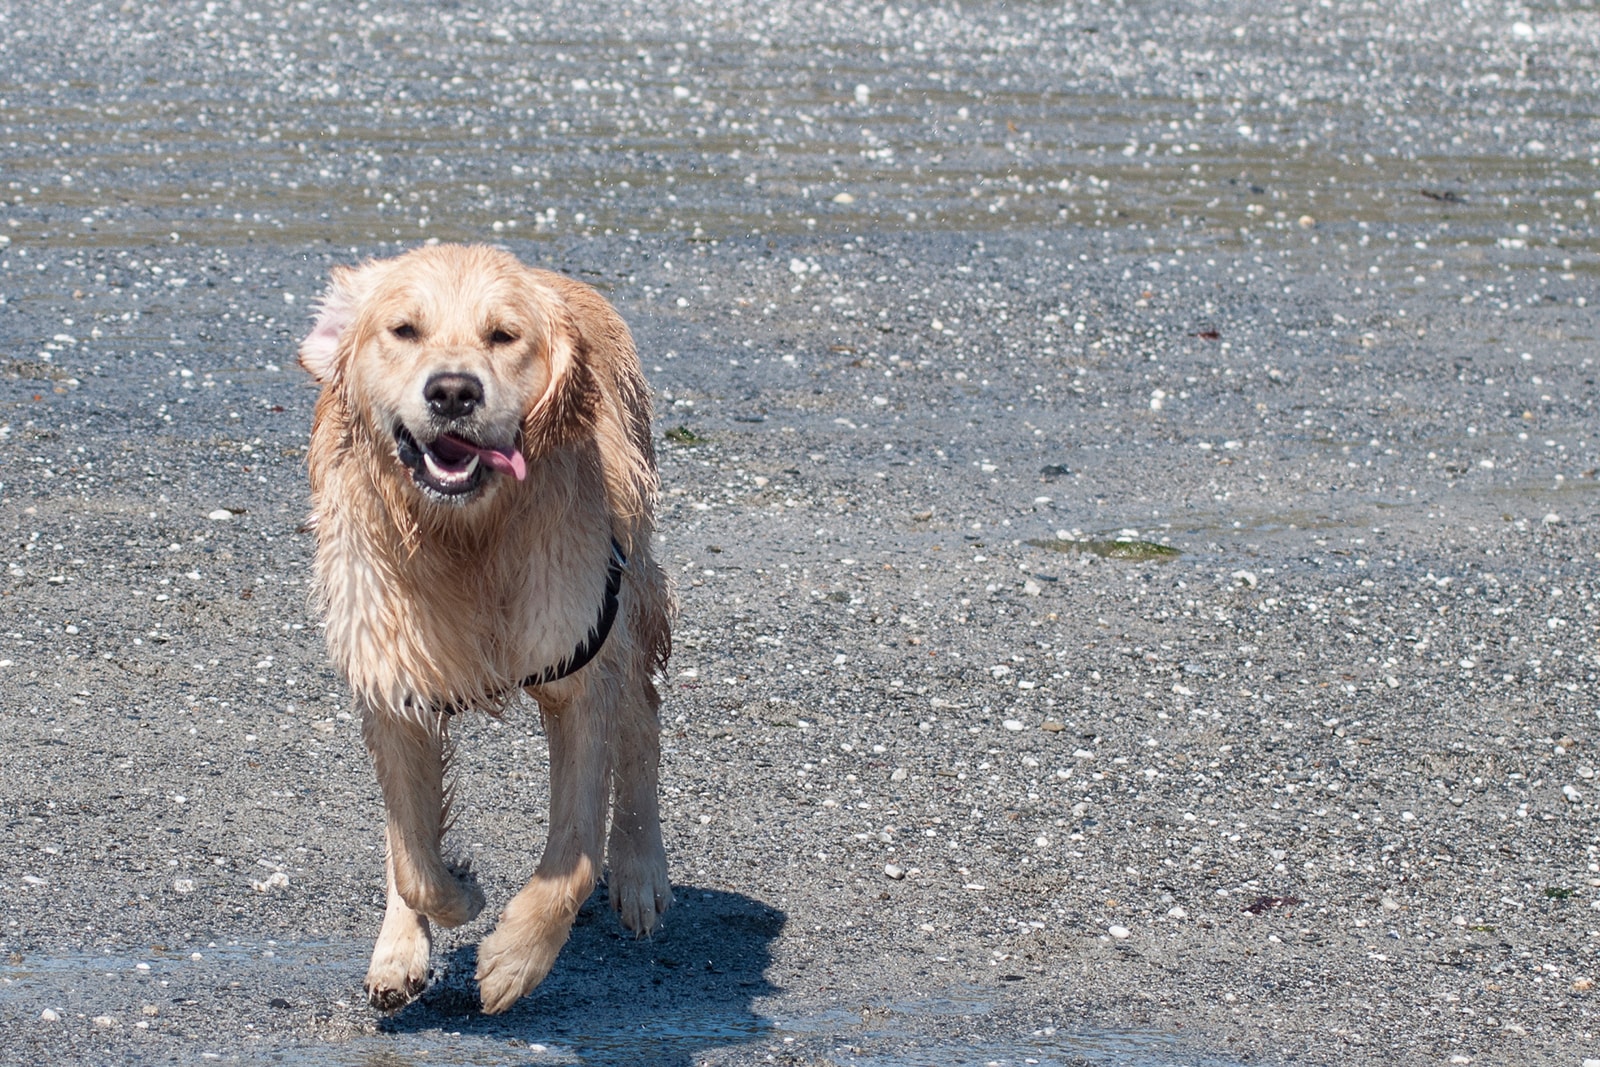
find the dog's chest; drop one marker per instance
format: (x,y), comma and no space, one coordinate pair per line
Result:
(450,627)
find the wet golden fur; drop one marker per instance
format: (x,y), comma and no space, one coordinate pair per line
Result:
(434,604)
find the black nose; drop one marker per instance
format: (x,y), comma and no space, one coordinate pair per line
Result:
(453,396)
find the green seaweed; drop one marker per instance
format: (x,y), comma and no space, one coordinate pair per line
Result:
(1128,551)
(682,435)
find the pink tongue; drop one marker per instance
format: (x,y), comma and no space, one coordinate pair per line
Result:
(455,450)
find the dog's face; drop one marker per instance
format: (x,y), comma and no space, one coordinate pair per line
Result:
(443,354)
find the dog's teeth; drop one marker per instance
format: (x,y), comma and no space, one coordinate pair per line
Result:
(449,477)
(439,473)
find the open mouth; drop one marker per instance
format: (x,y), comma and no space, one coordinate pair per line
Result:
(454,467)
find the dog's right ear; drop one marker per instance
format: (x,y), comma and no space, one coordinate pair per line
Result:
(336,311)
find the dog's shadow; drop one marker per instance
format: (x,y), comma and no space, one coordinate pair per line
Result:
(612,998)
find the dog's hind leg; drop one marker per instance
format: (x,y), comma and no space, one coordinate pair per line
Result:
(637,885)
(409,757)
(535,924)
(399,970)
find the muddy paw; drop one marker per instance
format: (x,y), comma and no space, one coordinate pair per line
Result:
(639,893)
(399,969)
(387,997)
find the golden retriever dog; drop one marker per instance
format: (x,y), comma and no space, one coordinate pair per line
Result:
(483,487)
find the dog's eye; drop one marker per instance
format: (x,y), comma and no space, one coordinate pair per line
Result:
(405,331)
(501,337)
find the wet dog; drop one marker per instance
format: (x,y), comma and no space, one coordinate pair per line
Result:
(483,485)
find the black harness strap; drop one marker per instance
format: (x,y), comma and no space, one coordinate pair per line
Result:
(590,646)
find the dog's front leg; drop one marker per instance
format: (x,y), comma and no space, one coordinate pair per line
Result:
(409,757)
(399,970)
(535,924)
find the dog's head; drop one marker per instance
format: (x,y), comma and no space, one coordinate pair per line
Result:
(445,355)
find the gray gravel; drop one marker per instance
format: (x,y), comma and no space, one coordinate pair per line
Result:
(1130,475)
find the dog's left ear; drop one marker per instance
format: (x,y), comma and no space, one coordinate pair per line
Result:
(560,350)
(319,352)
(566,408)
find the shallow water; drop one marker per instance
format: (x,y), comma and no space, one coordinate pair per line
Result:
(147,1002)
(1278,130)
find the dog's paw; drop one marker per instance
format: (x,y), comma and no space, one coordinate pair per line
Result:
(457,901)
(398,973)
(389,997)
(510,964)
(639,892)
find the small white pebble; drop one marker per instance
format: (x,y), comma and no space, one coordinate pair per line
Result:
(49,1015)
(183,885)
(1572,795)
(1177,911)
(843,198)
(220,515)
(891,871)
(899,775)
(1121,933)
(105,1022)
(1552,519)
(1013,725)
